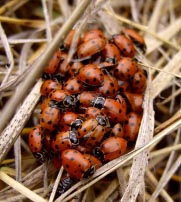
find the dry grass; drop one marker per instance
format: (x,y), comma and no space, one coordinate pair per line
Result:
(30,31)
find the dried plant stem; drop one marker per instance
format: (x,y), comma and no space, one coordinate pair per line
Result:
(13,103)
(20,188)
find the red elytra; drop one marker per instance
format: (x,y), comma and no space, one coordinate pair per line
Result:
(93,34)
(91,47)
(54,63)
(68,40)
(48,86)
(76,165)
(74,68)
(113,147)
(73,86)
(67,119)
(63,65)
(93,160)
(125,45)
(86,98)
(92,112)
(131,126)
(50,118)
(90,74)
(117,130)
(58,95)
(126,69)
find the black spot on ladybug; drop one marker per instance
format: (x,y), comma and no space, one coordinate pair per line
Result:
(72,159)
(67,166)
(93,138)
(56,146)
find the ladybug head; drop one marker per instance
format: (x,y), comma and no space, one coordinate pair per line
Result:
(69,101)
(73,138)
(40,156)
(76,124)
(103,121)
(98,153)
(98,102)
(88,173)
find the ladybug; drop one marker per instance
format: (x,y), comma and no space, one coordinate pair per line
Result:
(48,86)
(135,101)
(111,148)
(114,109)
(57,161)
(86,129)
(131,126)
(63,64)
(64,140)
(47,141)
(67,119)
(47,102)
(125,45)
(54,62)
(92,112)
(35,142)
(110,86)
(111,53)
(74,68)
(73,85)
(86,97)
(93,34)
(139,82)
(137,39)
(91,75)
(62,97)
(124,86)
(91,47)
(117,130)
(68,40)
(93,160)
(50,118)
(76,165)
(64,185)
(125,69)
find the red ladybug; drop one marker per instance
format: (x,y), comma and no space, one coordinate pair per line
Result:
(57,161)
(139,82)
(93,160)
(74,68)
(125,69)
(125,45)
(110,86)
(48,86)
(111,148)
(35,141)
(91,47)
(54,63)
(76,165)
(73,85)
(64,140)
(124,86)
(93,34)
(62,97)
(135,100)
(47,102)
(117,130)
(63,65)
(114,109)
(68,40)
(111,53)
(50,118)
(92,112)
(131,126)
(137,39)
(91,75)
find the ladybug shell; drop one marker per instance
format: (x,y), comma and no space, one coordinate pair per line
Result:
(57,161)
(93,34)
(46,103)
(35,139)
(67,119)
(87,127)
(48,86)
(124,86)
(86,98)
(113,147)
(92,112)
(49,119)
(63,65)
(91,47)
(110,86)
(61,141)
(68,40)
(139,82)
(73,86)
(131,126)
(125,69)
(115,110)
(117,130)
(58,95)
(91,75)
(95,137)
(135,100)
(74,163)
(125,45)
(74,68)
(47,142)
(111,52)
(93,160)
(54,62)
(137,39)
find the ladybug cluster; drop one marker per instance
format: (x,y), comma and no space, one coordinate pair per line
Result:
(91,106)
